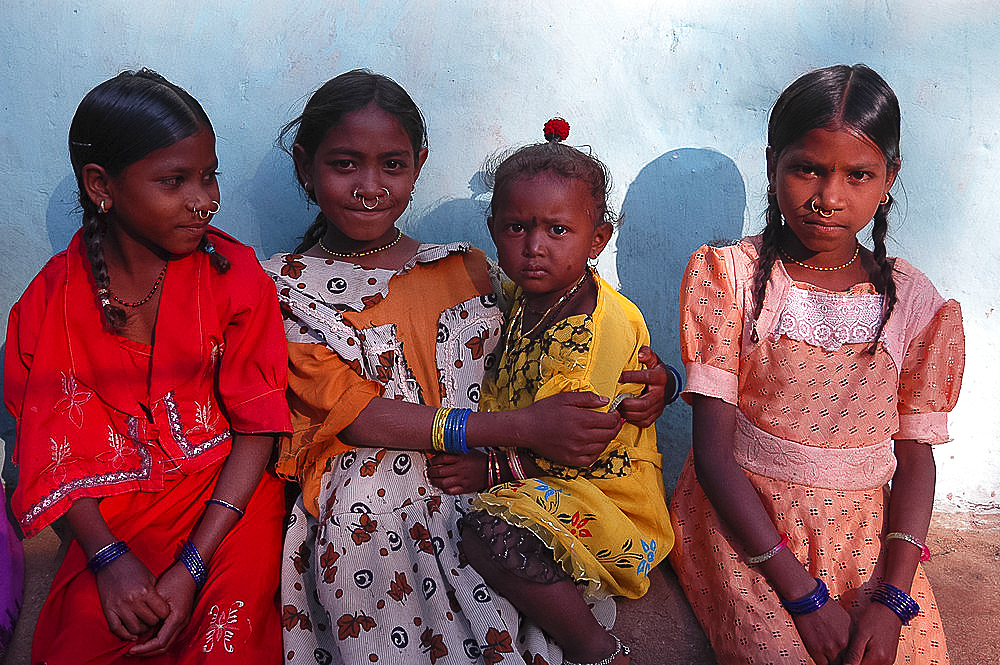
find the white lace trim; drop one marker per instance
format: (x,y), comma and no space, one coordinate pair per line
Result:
(830,320)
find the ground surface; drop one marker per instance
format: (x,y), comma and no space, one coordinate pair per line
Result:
(661,629)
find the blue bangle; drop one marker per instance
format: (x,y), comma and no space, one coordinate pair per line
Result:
(678,384)
(106,555)
(897,600)
(226,504)
(454,431)
(192,560)
(808,603)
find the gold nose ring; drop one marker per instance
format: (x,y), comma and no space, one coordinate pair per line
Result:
(826,214)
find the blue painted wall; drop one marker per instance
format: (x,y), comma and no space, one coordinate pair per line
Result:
(673,95)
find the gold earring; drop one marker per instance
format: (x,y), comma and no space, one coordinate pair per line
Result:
(104,210)
(884,201)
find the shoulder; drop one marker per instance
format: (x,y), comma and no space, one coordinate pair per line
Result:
(616,310)
(906,275)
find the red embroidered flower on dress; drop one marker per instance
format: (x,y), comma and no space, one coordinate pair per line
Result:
(556,129)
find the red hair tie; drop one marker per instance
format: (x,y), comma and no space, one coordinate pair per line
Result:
(556,130)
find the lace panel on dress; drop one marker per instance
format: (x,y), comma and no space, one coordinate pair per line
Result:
(830,320)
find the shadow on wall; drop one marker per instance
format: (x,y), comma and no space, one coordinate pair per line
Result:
(683,199)
(457,219)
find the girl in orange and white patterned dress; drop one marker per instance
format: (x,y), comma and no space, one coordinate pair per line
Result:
(818,372)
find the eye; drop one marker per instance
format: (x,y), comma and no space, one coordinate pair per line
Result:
(861,176)
(341,164)
(395,164)
(211,177)
(172,181)
(514,227)
(559,230)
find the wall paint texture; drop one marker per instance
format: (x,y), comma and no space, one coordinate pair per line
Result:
(673,95)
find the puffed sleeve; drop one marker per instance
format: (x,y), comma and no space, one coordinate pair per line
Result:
(931,377)
(252,371)
(711,325)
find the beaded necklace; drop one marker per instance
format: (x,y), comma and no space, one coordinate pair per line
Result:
(140,303)
(399,234)
(857,249)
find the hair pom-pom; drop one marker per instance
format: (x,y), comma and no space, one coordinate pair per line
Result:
(556,129)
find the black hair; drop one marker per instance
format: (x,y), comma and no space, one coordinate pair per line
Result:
(117,124)
(337,97)
(855,99)
(556,158)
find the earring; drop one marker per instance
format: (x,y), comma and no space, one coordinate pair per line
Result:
(770,189)
(103,210)
(884,201)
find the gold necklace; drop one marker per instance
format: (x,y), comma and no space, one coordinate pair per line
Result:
(554,308)
(140,303)
(857,248)
(399,234)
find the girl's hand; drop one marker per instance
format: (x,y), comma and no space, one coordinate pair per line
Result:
(177,587)
(825,632)
(458,474)
(642,411)
(131,603)
(875,638)
(564,429)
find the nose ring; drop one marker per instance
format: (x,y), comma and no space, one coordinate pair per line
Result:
(205,214)
(825,214)
(364,200)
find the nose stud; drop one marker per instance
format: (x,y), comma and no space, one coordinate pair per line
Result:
(364,200)
(826,214)
(205,213)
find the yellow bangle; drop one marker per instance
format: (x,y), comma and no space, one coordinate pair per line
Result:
(437,429)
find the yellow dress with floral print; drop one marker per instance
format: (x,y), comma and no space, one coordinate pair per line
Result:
(607,524)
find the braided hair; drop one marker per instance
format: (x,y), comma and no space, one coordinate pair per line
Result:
(854,98)
(337,97)
(118,123)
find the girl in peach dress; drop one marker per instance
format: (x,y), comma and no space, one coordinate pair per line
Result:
(819,372)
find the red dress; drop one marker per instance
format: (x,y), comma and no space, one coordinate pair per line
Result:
(147,429)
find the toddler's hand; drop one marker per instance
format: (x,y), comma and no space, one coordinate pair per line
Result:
(642,411)
(458,474)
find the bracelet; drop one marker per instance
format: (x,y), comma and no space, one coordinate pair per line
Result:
(678,384)
(454,431)
(492,468)
(514,462)
(106,555)
(761,558)
(437,429)
(925,554)
(192,560)
(808,603)
(226,504)
(897,600)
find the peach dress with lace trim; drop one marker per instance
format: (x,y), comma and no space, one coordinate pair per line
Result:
(806,379)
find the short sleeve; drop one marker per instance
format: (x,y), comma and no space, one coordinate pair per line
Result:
(931,377)
(711,325)
(325,395)
(253,367)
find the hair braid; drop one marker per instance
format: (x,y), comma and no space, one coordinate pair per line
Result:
(113,315)
(886,285)
(312,234)
(215,259)
(768,253)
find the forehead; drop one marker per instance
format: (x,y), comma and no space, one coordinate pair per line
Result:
(193,152)
(835,145)
(367,130)
(545,194)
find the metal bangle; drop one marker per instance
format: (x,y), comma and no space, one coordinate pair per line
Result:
(226,504)
(106,555)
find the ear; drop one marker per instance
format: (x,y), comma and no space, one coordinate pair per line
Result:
(421,158)
(772,165)
(303,168)
(602,235)
(892,170)
(489,225)
(97,185)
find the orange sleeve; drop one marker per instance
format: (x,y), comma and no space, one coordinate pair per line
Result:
(931,377)
(325,395)
(711,326)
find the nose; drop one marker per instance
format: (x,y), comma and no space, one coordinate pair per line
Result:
(534,244)
(832,194)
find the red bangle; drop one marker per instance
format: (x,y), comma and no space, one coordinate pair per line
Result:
(761,558)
